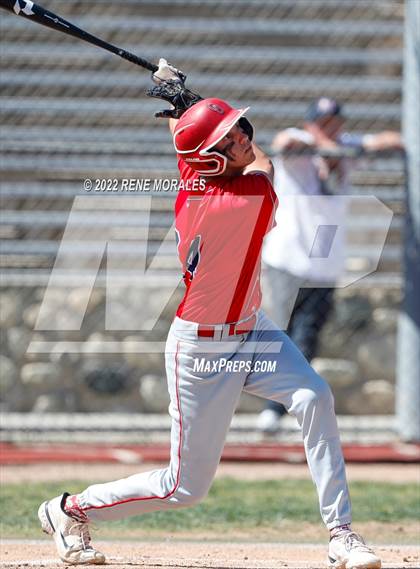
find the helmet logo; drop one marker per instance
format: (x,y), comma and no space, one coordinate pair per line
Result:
(216,108)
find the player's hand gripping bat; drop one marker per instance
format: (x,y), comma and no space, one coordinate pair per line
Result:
(36,13)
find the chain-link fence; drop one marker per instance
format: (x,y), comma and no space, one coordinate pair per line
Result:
(76,127)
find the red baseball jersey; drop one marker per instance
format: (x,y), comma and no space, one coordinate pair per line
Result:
(220,226)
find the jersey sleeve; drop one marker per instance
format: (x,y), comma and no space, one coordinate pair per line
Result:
(301,135)
(352,140)
(258,184)
(255,184)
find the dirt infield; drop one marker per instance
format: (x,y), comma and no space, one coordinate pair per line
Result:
(177,555)
(236,551)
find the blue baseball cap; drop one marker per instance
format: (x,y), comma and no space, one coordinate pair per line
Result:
(323,107)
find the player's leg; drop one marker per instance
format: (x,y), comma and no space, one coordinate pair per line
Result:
(281,289)
(202,404)
(203,399)
(308,397)
(309,315)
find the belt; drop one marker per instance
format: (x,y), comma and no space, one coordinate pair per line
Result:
(225,330)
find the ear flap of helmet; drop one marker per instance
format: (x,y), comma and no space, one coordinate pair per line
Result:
(212,164)
(204,162)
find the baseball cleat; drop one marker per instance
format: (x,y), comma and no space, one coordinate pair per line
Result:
(347,550)
(268,421)
(71,536)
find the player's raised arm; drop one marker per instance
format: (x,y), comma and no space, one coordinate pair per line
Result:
(172,125)
(386,140)
(170,86)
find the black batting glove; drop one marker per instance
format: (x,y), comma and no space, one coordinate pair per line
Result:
(175,93)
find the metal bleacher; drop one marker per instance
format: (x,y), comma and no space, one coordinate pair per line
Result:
(70,111)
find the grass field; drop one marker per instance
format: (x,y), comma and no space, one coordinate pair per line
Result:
(250,507)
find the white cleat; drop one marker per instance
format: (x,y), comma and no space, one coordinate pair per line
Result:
(268,421)
(71,536)
(347,550)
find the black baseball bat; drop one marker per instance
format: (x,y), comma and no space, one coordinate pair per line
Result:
(32,11)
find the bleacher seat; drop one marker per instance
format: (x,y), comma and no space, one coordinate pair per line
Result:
(70,110)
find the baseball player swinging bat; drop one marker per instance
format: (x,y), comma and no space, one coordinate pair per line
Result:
(32,11)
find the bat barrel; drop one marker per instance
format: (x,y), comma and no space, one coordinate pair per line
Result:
(32,11)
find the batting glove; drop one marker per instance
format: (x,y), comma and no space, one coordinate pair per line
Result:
(167,72)
(170,87)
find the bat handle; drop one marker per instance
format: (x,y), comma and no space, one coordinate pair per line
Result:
(137,60)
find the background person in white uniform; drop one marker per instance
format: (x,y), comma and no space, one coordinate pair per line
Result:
(299,289)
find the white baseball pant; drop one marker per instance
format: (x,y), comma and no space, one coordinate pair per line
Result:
(203,400)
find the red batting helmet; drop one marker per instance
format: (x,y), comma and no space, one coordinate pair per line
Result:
(199,129)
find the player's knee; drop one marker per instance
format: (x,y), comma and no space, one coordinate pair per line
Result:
(322,393)
(317,394)
(185,499)
(195,499)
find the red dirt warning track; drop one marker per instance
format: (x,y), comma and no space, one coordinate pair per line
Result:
(262,452)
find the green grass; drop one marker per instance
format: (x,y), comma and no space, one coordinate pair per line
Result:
(231,505)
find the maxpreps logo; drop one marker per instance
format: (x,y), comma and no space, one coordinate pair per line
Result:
(216,108)
(201,365)
(24,6)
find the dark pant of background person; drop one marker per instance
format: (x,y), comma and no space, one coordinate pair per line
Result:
(310,313)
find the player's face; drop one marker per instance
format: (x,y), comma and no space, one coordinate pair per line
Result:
(330,126)
(237,148)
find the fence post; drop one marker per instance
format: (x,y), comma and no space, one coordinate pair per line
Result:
(408,355)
